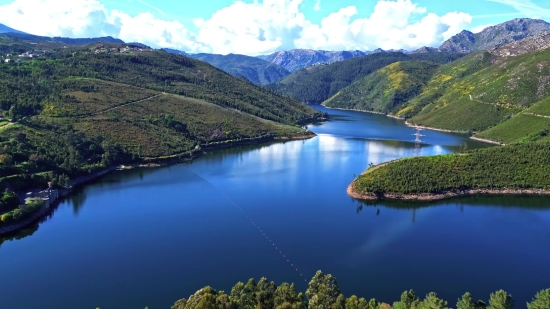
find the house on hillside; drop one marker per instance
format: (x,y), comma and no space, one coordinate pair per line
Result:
(7,61)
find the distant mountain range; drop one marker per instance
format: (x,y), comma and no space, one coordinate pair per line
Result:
(20,35)
(511,31)
(256,70)
(6,29)
(297,59)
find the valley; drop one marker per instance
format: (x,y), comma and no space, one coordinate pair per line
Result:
(154,171)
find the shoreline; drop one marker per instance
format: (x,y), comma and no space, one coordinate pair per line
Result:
(146,163)
(441,196)
(421,127)
(364,111)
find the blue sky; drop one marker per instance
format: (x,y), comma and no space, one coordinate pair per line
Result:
(263,26)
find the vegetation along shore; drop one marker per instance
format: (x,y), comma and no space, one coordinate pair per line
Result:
(513,169)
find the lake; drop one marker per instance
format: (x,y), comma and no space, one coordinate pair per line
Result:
(148,237)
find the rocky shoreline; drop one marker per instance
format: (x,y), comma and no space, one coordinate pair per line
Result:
(445,195)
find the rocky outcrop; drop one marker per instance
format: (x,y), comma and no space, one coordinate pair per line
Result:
(537,42)
(495,36)
(296,59)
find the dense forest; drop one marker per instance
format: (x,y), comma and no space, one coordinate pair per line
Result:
(324,293)
(518,166)
(314,85)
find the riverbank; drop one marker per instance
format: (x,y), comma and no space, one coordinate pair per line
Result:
(364,111)
(146,163)
(441,196)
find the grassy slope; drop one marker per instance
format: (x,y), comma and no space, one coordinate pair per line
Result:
(316,84)
(531,125)
(487,96)
(387,89)
(79,111)
(515,166)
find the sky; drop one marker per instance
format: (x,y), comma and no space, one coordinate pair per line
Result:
(257,27)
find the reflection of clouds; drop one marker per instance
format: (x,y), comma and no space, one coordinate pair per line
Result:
(382,151)
(437,150)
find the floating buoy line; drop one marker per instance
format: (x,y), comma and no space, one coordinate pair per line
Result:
(258,228)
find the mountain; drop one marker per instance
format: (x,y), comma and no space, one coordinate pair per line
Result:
(316,84)
(6,29)
(68,41)
(502,94)
(296,59)
(258,71)
(386,90)
(494,36)
(175,51)
(82,108)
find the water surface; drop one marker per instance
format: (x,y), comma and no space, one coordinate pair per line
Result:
(148,237)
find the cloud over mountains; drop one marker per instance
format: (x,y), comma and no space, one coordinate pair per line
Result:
(260,27)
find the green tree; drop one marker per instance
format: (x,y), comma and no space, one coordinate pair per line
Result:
(323,293)
(285,297)
(408,301)
(433,302)
(541,300)
(180,304)
(359,303)
(467,302)
(501,300)
(264,294)
(204,298)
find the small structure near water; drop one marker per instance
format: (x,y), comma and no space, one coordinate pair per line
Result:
(48,196)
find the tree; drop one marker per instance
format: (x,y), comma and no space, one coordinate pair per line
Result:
(323,293)
(285,297)
(358,303)
(264,294)
(433,302)
(467,302)
(204,298)
(501,300)
(408,301)
(541,300)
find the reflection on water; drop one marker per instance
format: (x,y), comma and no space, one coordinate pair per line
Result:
(133,235)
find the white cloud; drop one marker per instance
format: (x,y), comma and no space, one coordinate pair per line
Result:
(260,27)
(317,5)
(480,28)
(90,18)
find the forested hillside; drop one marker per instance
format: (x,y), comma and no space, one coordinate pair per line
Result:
(524,166)
(314,85)
(500,94)
(76,110)
(323,292)
(386,90)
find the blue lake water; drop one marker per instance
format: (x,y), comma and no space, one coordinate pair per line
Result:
(147,237)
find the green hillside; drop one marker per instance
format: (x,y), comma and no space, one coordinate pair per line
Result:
(77,110)
(254,69)
(386,90)
(518,166)
(314,85)
(533,124)
(482,94)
